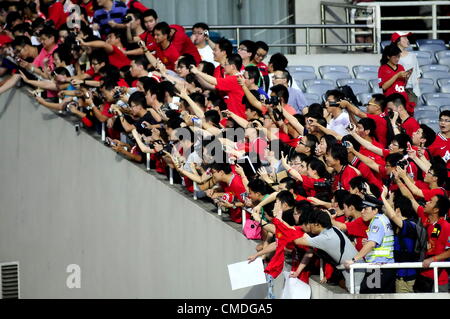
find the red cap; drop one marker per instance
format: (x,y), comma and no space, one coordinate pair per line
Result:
(395,36)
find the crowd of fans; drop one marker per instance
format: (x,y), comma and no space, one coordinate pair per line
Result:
(312,181)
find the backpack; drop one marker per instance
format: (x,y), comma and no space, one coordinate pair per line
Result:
(326,257)
(348,92)
(420,248)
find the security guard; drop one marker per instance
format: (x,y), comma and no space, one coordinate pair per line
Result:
(379,248)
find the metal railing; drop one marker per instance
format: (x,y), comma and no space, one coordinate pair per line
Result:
(371,13)
(410,265)
(306,27)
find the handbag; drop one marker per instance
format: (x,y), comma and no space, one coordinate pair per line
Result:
(252,229)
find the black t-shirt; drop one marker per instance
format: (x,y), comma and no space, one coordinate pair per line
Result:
(146,118)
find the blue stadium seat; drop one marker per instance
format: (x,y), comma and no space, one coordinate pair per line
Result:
(438,102)
(427,114)
(442,82)
(426,108)
(357,69)
(432,47)
(428,96)
(332,68)
(364,98)
(367,76)
(444,108)
(357,85)
(426,88)
(423,57)
(312,98)
(435,75)
(336,75)
(301,68)
(422,42)
(309,83)
(443,57)
(299,77)
(319,89)
(445,89)
(426,81)
(434,67)
(374,86)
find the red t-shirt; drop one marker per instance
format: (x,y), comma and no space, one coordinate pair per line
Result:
(150,43)
(410,125)
(57,15)
(105,109)
(263,68)
(234,94)
(258,146)
(118,58)
(367,173)
(184,44)
(428,194)
(168,56)
(94,76)
(441,148)
(381,128)
(308,185)
(343,178)
(385,73)
(358,229)
(438,242)
(237,188)
(219,72)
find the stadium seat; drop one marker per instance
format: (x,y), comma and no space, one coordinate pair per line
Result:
(432,47)
(309,83)
(425,88)
(367,76)
(422,42)
(357,69)
(435,75)
(336,75)
(374,86)
(434,67)
(434,126)
(384,44)
(332,68)
(427,96)
(364,98)
(444,108)
(438,102)
(299,77)
(301,68)
(426,108)
(357,85)
(445,89)
(426,81)
(443,57)
(312,98)
(427,114)
(423,57)
(427,121)
(319,89)
(443,82)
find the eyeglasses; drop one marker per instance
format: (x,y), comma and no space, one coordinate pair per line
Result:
(278,77)
(242,49)
(261,55)
(444,121)
(431,173)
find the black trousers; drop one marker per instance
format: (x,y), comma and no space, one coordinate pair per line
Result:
(378,281)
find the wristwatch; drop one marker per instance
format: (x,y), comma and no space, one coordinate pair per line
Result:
(353,259)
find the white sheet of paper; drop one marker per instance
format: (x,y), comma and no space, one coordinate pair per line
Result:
(243,274)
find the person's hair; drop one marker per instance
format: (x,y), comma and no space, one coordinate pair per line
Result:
(250,45)
(329,139)
(200,25)
(138,98)
(339,152)
(259,186)
(444,113)
(281,91)
(149,13)
(225,167)
(390,50)
(306,212)
(319,166)
(438,166)
(253,73)
(428,134)
(153,87)
(278,61)
(358,183)
(339,197)
(163,27)
(351,139)
(63,52)
(315,110)
(393,159)
(405,205)
(22,28)
(236,60)
(443,205)
(402,139)
(108,85)
(380,99)
(208,67)
(338,95)
(187,61)
(397,99)
(100,56)
(288,217)
(50,32)
(368,124)
(225,45)
(355,201)
(62,71)
(11,17)
(321,218)
(291,184)
(21,41)
(142,60)
(286,197)
(198,98)
(250,107)
(261,45)
(212,116)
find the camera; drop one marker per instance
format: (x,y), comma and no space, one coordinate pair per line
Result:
(402,163)
(116,95)
(333,103)
(71,104)
(278,115)
(126,19)
(273,100)
(347,144)
(167,148)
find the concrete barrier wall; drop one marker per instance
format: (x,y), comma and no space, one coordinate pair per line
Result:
(67,199)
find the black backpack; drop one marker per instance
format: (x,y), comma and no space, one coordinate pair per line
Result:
(348,92)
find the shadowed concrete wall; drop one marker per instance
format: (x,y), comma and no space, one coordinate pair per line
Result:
(67,199)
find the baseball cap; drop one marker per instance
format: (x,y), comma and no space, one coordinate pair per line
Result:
(371,201)
(396,35)
(4,39)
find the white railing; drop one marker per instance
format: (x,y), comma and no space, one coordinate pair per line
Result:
(410,265)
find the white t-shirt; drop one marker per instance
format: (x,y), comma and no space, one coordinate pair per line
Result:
(207,55)
(410,61)
(340,123)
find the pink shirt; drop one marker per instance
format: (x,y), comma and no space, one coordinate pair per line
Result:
(43,55)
